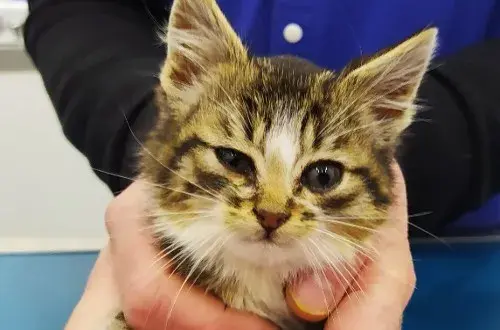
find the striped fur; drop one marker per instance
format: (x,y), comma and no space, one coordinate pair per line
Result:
(284,113)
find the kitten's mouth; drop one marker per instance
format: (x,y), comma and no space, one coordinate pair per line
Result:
(265,250)
(266,238)
(269,241)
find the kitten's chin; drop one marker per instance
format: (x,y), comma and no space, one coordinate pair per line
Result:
(267,240)
(265,252)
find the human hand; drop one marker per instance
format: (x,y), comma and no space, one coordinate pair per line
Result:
(377,298)
(147,300)
(128,274)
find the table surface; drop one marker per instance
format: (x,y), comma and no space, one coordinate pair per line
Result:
(458,288)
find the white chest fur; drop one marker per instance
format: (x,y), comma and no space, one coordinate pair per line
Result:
(261,291)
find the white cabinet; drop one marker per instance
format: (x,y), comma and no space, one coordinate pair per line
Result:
(49,198)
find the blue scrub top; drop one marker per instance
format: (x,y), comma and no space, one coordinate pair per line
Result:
(330,33)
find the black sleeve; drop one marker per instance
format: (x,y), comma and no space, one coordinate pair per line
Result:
(99,61)
(451,155)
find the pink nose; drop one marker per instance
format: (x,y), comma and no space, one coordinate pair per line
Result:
(270,221)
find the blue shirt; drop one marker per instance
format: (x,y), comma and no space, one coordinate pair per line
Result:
(336,31)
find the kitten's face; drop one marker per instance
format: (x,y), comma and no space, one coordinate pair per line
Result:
(270,160)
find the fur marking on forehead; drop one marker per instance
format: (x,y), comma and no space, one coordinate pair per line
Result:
(282,146)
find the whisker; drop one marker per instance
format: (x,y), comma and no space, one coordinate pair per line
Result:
(193,268)
(189,253)
(151,308)
(334,265)
(159,214)
(430,234)
(348,242)
(207,263)
(126,177)
(317,266)
(161,255)
(373,231)
(326,280)
(146,276)
(158,186)
(337,220)
(348,224)
(173,222)
(151,16)
(344,263)
(420,214)
(165,253)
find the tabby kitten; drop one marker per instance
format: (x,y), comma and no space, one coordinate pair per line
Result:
(266,167)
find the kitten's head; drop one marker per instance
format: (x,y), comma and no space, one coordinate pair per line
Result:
(271,159)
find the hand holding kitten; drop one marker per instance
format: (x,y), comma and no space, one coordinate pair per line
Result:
(124,272)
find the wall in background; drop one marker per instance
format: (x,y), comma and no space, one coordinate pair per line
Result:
(50,200)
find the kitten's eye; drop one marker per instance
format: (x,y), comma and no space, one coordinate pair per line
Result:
(322,176)
(234,160)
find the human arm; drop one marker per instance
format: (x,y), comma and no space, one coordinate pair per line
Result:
(99,61)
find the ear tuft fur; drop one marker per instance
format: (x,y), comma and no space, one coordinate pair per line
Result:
(198,38)
(388,83)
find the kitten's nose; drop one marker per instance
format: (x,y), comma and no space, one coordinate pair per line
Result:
(270,221)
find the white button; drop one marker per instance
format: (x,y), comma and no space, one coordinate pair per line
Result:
(292,33)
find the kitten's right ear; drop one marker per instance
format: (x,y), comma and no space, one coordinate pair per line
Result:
(198,38)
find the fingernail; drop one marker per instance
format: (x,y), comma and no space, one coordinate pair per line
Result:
(312,298)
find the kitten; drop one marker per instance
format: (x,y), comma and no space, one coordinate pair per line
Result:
(266,167)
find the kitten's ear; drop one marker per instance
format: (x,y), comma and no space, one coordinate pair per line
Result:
(198,37)
(388,83)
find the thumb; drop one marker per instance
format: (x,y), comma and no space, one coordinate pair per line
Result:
(313,296)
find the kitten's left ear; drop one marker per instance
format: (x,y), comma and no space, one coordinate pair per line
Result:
(387,84)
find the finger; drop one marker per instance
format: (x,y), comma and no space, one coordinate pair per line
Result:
(99,300)
(315,296)
(153,298)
